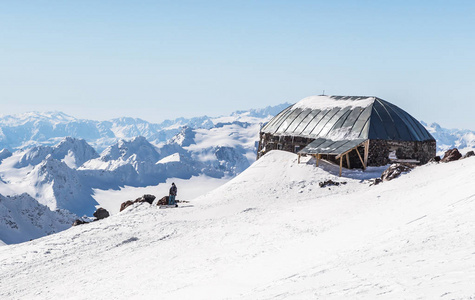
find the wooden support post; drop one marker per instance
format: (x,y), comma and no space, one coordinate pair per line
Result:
(366,152)
(299,158)
(318,159)
(361,159)
(348,161)
(341,164)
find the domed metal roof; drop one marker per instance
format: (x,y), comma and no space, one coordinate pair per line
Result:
(345,118)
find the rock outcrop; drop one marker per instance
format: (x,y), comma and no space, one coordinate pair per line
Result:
(395,170)
(468,154)
(451,155)
(145,198)
(101,213)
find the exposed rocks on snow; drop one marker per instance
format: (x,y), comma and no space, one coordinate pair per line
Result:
(395,170)
(101,213)
(468,154)
(330,183)
(163,201)
(79,222)
(145,198)
(451,155)
(435,159)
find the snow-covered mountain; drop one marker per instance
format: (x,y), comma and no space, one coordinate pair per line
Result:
(447,139)
(35,128)
(65,175)
(22,218)
(262,236)
(60,169)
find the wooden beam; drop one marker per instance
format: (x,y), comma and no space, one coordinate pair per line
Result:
(341,164)
(366,152)
(299,158)
(361,159)
(348,161)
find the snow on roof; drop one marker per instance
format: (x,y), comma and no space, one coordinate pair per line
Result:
(347,118)
(328,102)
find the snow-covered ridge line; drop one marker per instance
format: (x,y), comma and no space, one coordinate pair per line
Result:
(37,128)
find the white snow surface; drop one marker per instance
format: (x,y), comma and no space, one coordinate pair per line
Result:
(175,157)
(326,102)
(270,233)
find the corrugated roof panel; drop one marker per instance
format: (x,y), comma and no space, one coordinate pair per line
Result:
(280,120)
(270,126)
(297,121)
(326,146)
(402,127)
(347,117)
(361,121)
(306,122)
(388,123)
(334,124)
(314,123)
(377,130)
(286,123)
(316,131)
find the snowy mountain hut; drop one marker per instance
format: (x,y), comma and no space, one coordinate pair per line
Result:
(353,131)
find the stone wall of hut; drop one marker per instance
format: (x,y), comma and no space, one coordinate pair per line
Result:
(268,142)
(379,151)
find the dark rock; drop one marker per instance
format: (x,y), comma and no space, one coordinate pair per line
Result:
(376,181)
(145,198)
(78,222)
(395,170)
(126,204)
(148,198)
(329,183)
(101,213)
(435,159)
(163,201)
(451,155)
(468,154)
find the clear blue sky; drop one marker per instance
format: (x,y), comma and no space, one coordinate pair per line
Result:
(166,59)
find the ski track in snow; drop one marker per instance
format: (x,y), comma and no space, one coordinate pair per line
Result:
(270,233)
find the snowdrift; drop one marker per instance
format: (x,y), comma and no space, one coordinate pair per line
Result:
(271,232)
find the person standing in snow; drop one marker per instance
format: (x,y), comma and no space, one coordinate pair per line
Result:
(173,191)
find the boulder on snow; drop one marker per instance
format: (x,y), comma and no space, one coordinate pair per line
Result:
(468,154)
(163,201)
(101,213)
(78,222)
(451,155)
(145,198)
(435,159)
(395,170)
(126,204)
(330,182)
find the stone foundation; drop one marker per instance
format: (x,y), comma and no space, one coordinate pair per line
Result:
(268,142)
(379,150)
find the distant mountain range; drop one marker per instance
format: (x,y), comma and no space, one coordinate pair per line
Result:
(54,161)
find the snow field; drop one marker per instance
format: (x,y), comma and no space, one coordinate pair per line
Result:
(270,233)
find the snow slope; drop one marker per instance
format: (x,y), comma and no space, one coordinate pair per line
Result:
(270,233)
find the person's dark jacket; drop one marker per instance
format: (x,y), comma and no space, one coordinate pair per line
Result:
(173,190)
